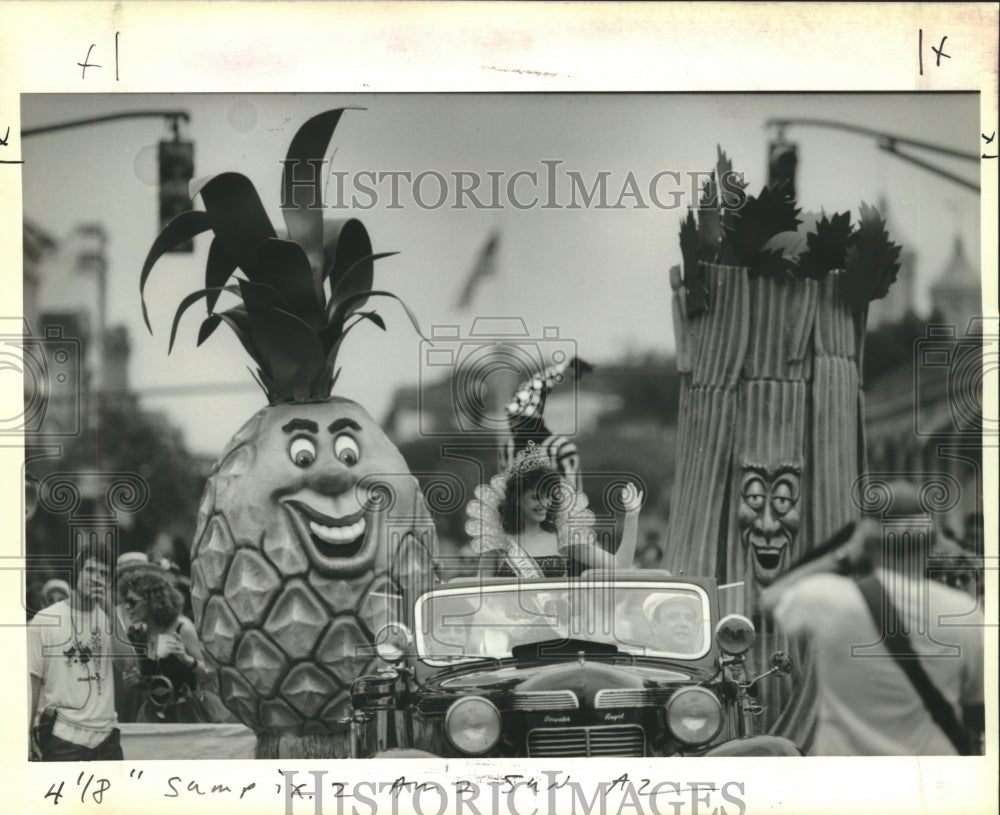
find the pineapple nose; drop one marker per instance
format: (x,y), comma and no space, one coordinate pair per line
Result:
(332,483)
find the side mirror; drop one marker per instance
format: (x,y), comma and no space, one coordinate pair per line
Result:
(781,663)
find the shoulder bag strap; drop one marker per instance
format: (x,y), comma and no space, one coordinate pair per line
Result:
(898,645)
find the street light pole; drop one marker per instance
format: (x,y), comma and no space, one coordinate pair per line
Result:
(890,143)
(174,115)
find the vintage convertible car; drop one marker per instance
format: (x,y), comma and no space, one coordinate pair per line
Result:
(637,665)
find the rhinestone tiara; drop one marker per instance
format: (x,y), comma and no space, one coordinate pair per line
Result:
(530,458)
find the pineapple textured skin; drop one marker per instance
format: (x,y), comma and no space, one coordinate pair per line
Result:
(287,599)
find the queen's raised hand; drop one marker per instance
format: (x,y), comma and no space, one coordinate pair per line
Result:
(631,498)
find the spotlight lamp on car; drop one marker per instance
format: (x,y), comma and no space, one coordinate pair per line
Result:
(393,642)
(734,634)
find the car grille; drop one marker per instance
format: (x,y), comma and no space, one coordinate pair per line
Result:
(542,700)
(606,740)
(523,700)
(631,697)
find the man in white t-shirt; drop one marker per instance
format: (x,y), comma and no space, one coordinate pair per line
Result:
(867,703)
(71,649)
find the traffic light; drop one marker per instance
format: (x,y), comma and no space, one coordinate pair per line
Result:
(176,160)
(782,159)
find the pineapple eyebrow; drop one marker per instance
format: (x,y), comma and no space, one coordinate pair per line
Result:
(340,424)
(301,424)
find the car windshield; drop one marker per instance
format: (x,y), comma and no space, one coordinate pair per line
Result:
(642,618)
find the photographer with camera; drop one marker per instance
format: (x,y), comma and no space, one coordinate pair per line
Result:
(899,657)
(173,658)
(71,648)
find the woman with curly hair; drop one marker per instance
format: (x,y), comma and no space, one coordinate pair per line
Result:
(173,654)
(530,521)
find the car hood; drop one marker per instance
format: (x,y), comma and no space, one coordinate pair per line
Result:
(583,677)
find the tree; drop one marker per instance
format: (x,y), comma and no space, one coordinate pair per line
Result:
(122,437)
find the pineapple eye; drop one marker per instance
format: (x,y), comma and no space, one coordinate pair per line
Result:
(302,451)
(346,449)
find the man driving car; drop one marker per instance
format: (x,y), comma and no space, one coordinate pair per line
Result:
(675,620)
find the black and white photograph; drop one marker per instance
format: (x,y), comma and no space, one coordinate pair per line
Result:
(540,435)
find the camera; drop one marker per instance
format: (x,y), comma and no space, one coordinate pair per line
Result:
(467,381)
(51,367)
(948,380)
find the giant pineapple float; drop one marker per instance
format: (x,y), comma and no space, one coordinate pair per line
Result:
(769,315)
(311,527)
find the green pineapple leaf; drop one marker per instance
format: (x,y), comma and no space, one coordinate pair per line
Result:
(270,389)
(372,316)
(285,268)
(259,381)
(239,321)
(260,298)
(286,322)
(341,290)
(332,337)
(220,267)
(332,333)
(208,326)
(182,228)
(261,301)
(348,261)
(295,358)
(303,215)
(238,218)
(188,301)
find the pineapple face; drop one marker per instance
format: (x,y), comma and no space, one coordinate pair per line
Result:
(317,471)
(309,484)
(310,531)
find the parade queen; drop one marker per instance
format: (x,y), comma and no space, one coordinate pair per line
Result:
(530,522)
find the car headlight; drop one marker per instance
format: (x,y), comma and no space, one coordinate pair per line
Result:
(393,641)
(472,725)
(694,715)
(734,634)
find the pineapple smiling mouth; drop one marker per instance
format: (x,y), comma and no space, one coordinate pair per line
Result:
(334,529)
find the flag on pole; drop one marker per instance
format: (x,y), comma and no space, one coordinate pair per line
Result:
(485,266)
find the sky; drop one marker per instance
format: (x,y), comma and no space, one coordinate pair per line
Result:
(597,276)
